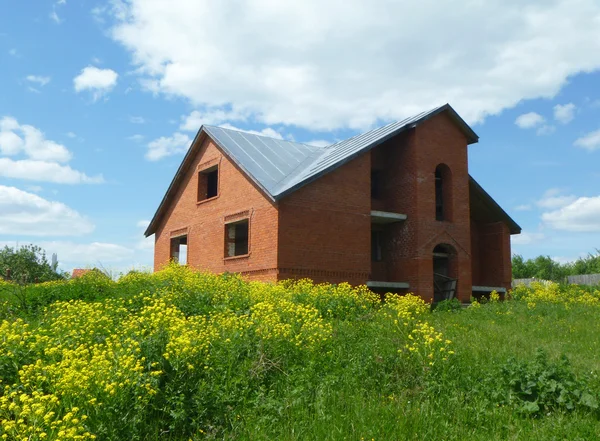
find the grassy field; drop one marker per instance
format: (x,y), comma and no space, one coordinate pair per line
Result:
(179,355)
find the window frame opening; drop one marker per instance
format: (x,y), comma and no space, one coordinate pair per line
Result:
(237,239)
(208,184)
(179,249)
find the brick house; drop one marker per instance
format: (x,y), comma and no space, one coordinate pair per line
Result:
(393,208)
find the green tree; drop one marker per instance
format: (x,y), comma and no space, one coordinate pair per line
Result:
(542,267)
(27,264)
(587,265)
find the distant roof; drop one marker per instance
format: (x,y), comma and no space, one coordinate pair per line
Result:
(280,167)
(78,272)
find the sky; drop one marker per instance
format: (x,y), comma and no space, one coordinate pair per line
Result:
(100,100)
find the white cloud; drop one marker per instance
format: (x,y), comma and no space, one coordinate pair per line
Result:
(523,207)
(193,121)
(44,171)
(18,138)
(526,238)
(72,135)
(319,143)
(38,79)
(590,142)
(564,113)
(168,146)
(12,52)
(85,255)
(546,129)
(23,213)
(54,17)
(136,138)
(137,120)
(98,81)
(145,243)
(34,188)
(323,65)
(529,120)
(582,215)
(553,198)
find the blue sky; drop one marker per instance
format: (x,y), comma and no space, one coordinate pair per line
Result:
(100,100)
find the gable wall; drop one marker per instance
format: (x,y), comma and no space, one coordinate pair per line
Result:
(205,221)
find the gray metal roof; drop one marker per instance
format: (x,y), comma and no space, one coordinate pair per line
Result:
(280,167)
(267,161)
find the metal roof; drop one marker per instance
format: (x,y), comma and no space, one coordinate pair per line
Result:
(280,167)
(267,161)
(335,155)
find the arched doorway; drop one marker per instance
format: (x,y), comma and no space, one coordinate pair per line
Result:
(445,272)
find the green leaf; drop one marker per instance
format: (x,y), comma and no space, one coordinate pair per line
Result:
(530,407)
(588,400)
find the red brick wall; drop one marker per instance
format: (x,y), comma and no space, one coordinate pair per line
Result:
(411,160)
(325,227)
(323,230)
(492,257)
(205,221)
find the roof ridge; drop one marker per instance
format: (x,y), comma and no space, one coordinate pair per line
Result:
(247,132)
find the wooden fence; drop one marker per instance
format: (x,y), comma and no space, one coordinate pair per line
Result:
(528,282)
(586,279)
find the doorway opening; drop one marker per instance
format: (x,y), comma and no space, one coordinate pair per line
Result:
(445,273)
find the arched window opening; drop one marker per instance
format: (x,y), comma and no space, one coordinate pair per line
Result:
(443,193)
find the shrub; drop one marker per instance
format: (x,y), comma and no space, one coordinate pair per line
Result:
(540,386)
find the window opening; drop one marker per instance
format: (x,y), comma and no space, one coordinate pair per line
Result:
(179,250)
(236,238)
(439,195)
(208,183)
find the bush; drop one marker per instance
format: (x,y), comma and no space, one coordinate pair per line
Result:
(448,305)
(540,386)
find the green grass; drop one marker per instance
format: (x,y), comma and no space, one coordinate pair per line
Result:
(358,382)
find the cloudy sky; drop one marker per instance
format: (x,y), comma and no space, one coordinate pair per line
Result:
(100,100)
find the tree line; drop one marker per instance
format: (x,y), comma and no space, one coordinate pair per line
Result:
(544,267)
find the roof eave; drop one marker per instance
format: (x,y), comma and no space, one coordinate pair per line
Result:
(152,227)
(513,226)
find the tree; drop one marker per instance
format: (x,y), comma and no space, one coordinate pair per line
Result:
(28,264)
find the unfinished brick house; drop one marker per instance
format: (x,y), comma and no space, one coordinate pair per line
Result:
(393,208)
